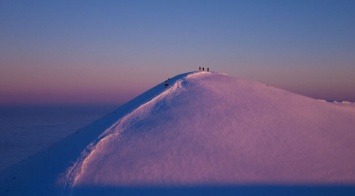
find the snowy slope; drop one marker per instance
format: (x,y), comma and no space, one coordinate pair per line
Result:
(205,129)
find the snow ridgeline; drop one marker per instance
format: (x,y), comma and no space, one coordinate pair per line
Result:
(116,129)
(208,133)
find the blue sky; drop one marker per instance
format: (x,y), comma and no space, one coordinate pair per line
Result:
(111,51)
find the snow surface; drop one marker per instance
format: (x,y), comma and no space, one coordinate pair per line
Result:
(207,133)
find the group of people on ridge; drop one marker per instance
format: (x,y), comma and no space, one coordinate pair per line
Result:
(166,84)
(203,69)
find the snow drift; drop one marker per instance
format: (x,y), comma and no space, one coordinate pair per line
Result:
(204,130)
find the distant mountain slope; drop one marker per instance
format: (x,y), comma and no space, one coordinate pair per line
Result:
(204,129)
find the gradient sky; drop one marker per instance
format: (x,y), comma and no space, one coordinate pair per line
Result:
(110,51)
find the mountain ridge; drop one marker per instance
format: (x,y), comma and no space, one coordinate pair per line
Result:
(204,128)
(161,102)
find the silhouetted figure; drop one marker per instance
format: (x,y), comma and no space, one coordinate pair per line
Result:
(199,68)
(203,69)
(208,69)
(166,85)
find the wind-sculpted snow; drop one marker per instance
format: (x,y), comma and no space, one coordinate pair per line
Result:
(206,133)
(118,129)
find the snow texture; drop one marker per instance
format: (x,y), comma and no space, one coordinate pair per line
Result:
(206,133)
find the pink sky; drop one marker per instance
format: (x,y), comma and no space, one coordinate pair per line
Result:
(111,52)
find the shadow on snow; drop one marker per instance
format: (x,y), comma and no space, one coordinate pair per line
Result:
(218,190)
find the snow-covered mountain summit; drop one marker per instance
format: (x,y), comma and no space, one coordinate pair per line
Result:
(203,128)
